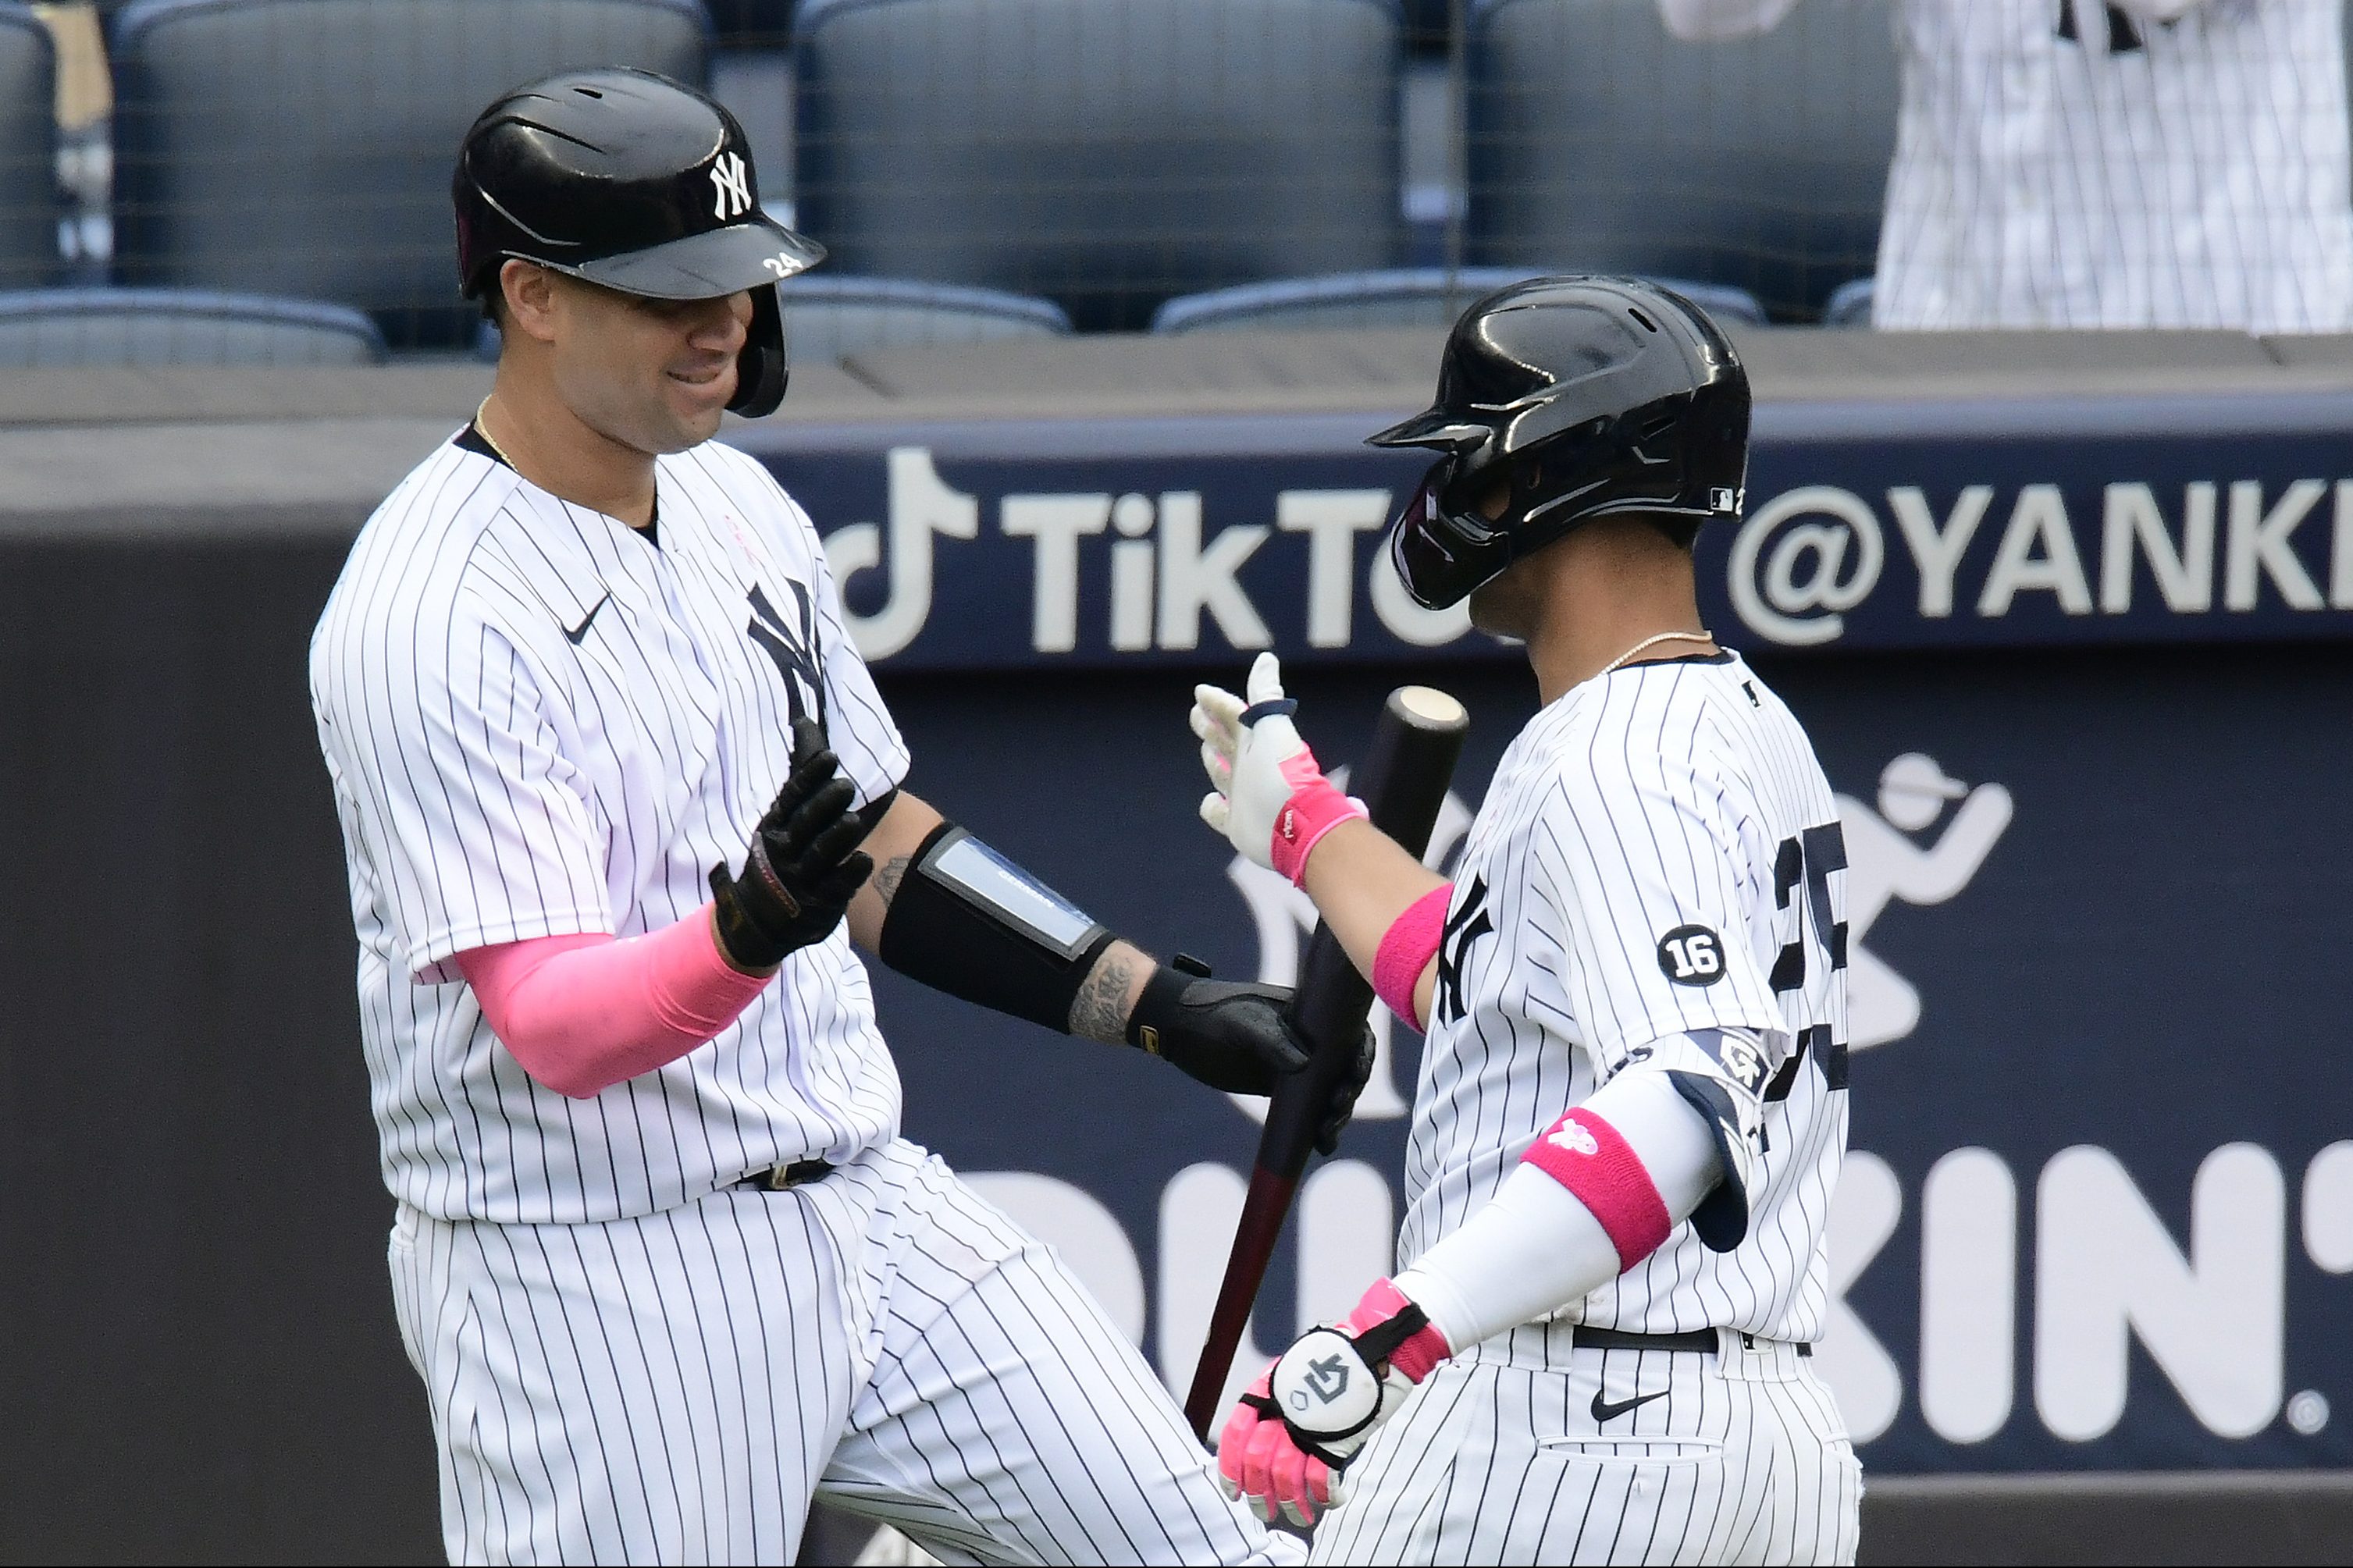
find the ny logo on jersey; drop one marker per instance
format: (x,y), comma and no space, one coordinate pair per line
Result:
(1462,929)
(794,651)
(730,179)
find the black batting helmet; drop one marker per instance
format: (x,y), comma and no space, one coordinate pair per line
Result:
(635,182)
(1592,396)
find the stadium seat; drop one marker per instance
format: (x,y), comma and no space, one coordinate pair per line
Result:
(1106,153)
(751,24)
(1428,24)
(1407,297)
(29,204)
(831,318)
(48,327)
(1599,140)
(304,147)
(1851,304)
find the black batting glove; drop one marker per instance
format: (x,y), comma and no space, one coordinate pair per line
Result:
(1235,1038)
(803,865)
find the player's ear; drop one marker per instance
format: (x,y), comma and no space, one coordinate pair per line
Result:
(529,292)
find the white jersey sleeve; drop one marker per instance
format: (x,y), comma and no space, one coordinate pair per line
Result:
(1644,864)
(484,835)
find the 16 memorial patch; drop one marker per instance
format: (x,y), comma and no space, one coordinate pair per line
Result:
(1692,956)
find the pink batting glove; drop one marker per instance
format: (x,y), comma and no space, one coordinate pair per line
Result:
(1293,1433)
(1257,1459)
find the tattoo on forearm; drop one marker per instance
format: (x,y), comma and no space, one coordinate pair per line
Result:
(888,877)
(1098,1012)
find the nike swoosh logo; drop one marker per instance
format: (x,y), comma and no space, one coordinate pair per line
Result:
(574,636)
(1604,1411)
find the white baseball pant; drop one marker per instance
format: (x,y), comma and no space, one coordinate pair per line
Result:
(1606,1456)
(675,1387)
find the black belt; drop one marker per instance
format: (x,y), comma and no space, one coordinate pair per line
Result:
(784,1178)
(1703,1340)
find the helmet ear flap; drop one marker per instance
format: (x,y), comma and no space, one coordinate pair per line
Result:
(761,369)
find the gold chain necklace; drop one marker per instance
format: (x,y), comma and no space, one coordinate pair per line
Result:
(480,429)
(483,431)
(1703,635)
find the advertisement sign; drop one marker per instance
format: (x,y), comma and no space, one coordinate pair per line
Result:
(1175,549)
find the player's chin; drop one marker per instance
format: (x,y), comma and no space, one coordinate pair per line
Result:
(1498,611)
(696,400)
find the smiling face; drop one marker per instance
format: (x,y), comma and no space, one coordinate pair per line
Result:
(653,375)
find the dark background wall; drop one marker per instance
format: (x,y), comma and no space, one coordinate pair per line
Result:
(197,1342)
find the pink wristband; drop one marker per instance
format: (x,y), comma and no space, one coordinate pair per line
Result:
(1406,950)
(1315,809)
(1418,1356)
(1595,1163)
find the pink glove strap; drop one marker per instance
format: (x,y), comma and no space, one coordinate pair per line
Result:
(1406,950)
(1315,809)
(1594,1162)
(585,1013)
(1420,1354)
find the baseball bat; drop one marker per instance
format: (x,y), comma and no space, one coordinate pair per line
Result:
(1402,783)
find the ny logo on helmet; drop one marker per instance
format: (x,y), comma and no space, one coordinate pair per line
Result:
(732,182)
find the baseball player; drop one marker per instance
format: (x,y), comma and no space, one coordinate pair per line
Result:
(1631,1110)
(2108,163)
(617,795)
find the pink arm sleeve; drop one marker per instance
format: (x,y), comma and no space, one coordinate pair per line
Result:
(584,1013)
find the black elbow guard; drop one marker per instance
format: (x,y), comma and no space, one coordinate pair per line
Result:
(1721,1220)
(967,920)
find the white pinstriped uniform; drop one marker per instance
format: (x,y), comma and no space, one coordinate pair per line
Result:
(2070,163)
(1658,854)
(538,723)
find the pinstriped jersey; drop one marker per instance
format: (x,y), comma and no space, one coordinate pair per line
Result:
(2075,165)
(540,722)
(2080,163)
(1658,854)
